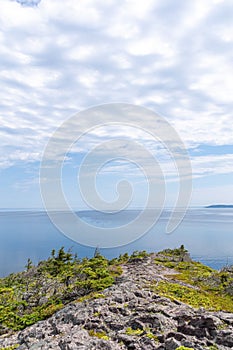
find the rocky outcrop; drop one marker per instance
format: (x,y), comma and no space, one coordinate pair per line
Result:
(129,315)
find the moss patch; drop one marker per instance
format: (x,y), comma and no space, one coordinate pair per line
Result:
(91,296)
(130,331)
(100,335)
(212,290)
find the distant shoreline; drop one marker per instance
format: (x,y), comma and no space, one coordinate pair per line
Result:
(220,206)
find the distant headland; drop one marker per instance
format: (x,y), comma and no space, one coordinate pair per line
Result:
(219,206)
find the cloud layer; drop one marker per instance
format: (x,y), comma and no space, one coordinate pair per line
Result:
(60,57)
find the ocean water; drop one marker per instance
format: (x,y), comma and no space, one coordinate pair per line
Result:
(206,233)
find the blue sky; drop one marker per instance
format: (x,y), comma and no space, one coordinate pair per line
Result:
(61,57)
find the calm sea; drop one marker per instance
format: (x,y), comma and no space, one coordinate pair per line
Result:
(206,233)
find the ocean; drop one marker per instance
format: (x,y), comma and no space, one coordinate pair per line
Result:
(206,233)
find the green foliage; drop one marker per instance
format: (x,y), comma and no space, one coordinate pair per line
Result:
(37,293)
(174,252)
(184,348)
(29,264)
(185,294)
(150,335)
(194,297)
(138,332)
(138,255)
(169,264)
(97,252)
(212,288)
(11,347)
(197,274)
(100,335)
(130,331)
(94,275)
(122,259)
(192,272)
(91,296)
(57,263)
(115,270)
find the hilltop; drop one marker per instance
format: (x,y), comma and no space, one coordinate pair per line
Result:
(146,301)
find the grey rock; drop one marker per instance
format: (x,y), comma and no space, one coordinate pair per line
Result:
(130,316)
(171,344)
(225,337)
(176,335)
(42,301)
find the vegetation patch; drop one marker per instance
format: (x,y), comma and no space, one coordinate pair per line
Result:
(177,252)
(130,331)
(150,335)
(91,296)
(192,272)
(138,332)
(139,255)
(210,285)
(100,335)
(39,291)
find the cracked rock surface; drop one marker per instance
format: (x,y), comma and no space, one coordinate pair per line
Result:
(128,316)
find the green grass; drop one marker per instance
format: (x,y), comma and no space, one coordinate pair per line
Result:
(195,298)
(211,292)
(191,272)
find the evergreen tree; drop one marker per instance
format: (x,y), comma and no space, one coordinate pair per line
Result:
(29,264)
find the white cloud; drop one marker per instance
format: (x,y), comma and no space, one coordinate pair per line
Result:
(60,57)
(212,165)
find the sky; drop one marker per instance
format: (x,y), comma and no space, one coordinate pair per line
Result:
(60,57)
